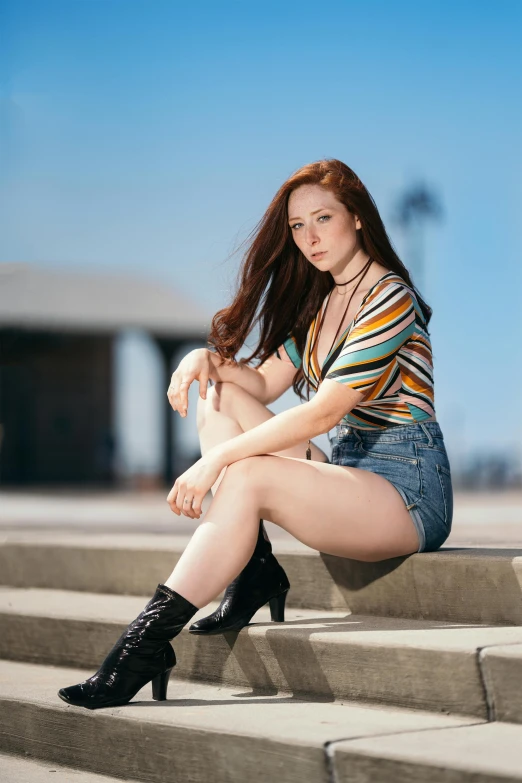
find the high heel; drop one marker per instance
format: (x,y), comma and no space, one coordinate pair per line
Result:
(263,580)
(277,607)
(142,653)
(159,685)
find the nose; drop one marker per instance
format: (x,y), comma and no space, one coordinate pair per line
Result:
(311,235)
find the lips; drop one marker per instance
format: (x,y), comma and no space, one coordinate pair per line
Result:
(319,253)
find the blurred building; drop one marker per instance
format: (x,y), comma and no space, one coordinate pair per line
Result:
(57,329)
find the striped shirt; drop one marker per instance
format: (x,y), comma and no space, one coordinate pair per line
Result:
(385,353)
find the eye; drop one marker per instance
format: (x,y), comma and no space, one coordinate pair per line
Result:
(319,218)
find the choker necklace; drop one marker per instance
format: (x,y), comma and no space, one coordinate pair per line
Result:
(368,263)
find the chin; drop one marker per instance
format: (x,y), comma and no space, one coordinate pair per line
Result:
(327,267)
(322,264)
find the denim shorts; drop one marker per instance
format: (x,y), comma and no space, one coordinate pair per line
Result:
(413,458)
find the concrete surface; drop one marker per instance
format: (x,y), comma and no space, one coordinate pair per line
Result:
(490,753)
(502,669)
(302,675)
(472,585)
(416,664)
(14,769)
(201,733)
(135,564)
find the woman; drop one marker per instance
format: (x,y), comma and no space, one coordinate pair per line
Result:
(338,311)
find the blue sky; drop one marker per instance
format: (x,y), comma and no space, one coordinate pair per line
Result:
(150,136)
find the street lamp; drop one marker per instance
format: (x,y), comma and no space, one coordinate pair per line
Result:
(413,209)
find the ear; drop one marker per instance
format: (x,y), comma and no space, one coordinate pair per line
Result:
(357,222)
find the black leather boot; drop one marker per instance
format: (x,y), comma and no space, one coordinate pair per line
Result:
(263,580)
(141,654)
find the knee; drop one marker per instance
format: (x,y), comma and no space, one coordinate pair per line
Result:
(221,397)
(213,403)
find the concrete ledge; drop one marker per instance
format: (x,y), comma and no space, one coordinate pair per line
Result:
(417,664)
(472,585)
(22,770)
(201,733)
(502,667)
(458,585)
(489,753)
(133,565)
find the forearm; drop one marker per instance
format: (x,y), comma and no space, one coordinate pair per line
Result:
(247,377)
(281,432)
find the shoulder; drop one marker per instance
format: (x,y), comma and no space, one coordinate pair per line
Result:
(391,294)
(390,283)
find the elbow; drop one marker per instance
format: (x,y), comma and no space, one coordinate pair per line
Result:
(325,418)
(265,398)
(323,423)
(266,393)
(331,424)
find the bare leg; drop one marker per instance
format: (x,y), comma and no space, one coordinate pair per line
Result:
(341,511)
(210,561)
(229,411)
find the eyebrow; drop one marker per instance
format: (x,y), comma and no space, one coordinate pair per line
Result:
(312,213)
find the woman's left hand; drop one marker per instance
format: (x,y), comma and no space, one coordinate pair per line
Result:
(186,496)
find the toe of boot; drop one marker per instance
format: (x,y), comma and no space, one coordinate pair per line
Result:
(205,625)
(74,694)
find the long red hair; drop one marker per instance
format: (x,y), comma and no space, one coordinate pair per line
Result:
(278,288)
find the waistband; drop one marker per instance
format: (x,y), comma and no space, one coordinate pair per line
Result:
(417,431)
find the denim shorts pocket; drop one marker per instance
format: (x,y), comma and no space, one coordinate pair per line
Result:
(447,494)
(436,446)
(403,452)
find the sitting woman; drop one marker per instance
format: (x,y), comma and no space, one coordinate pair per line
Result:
(337,311)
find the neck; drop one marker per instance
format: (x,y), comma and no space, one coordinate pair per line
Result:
(350,270)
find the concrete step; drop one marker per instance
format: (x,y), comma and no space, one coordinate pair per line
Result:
(202,733)
(489,753)
(456,585)
(420,664)
(15,769)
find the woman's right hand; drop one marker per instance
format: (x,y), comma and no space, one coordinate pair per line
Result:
(194,366)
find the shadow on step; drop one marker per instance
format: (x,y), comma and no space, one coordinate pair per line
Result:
(452,584)
(320,659)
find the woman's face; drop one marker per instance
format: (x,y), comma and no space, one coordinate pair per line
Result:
(320,224)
